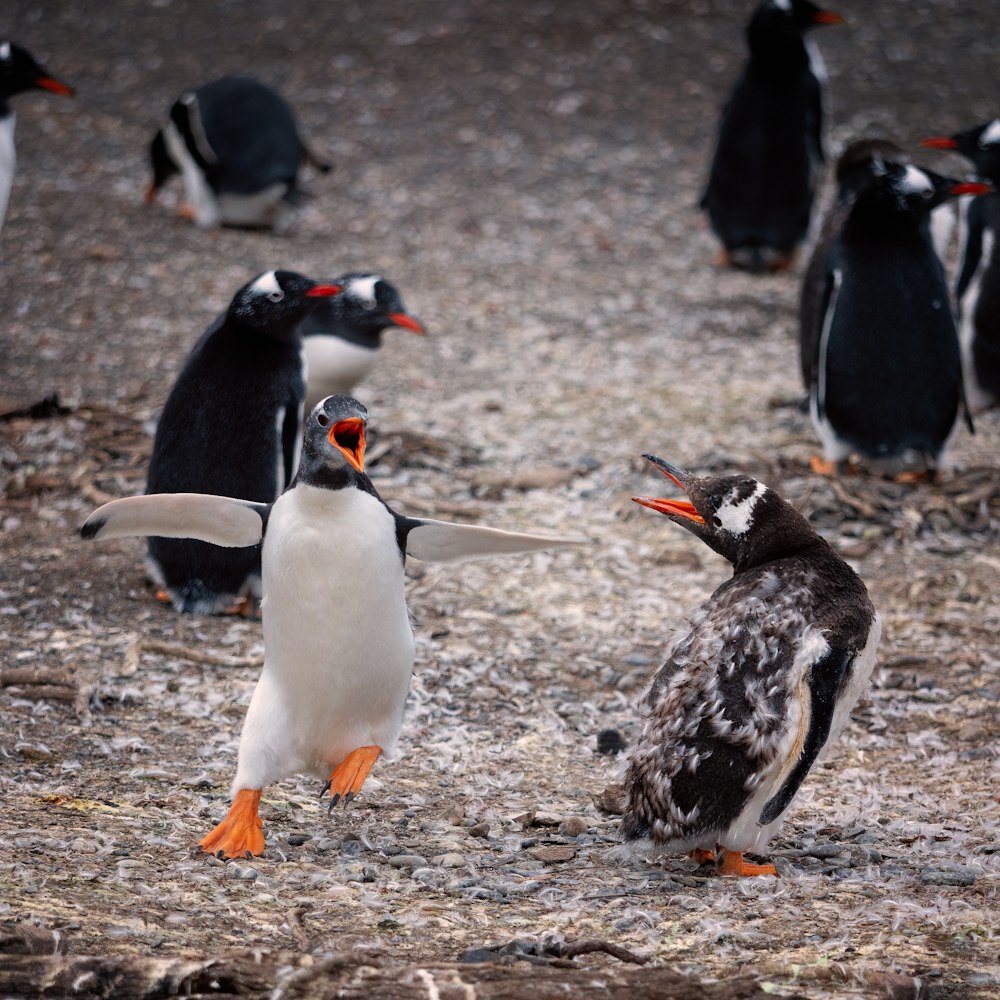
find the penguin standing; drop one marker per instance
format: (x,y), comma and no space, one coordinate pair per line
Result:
(762,679)
(18,72)
(342,336)
(977,291)
(770,150)
(238,148)
(232,425)
(879,344)
(338,645)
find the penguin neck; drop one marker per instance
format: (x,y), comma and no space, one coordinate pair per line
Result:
(776,55)
(316,470)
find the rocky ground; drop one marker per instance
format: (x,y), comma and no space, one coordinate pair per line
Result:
(527,174)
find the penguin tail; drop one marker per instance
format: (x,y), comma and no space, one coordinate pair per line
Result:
(315,160)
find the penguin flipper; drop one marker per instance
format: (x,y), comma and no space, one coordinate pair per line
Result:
(442,541)
(218,520)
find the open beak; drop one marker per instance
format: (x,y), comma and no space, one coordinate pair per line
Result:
(827,17)
(971,187)
(348,437)
(406,322)
(323,291)
(939,142)
(54,85)
(677,508)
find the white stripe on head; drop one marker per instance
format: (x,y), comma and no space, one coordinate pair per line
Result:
(915,181)
(991,134)
(363,289)
(785,5)
(5,51)
(266,284)
(737,517)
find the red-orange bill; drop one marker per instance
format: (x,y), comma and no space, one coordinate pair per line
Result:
(971,187)
(680,508)
(827,17)
(55,86)
(406,322)
(348,437)
(939,142)
(323,291)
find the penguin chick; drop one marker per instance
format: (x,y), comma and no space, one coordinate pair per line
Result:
(18,72)
(770,150)
(879,346)
(338,645)
(238,148)
(232,425)
(762,679)
(343,336)
(977,291)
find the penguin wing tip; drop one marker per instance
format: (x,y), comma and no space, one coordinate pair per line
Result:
(91,528)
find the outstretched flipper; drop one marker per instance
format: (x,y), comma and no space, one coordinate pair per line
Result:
(218,520)
(442,541)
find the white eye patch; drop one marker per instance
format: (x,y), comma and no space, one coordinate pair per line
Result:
(736,516)
(991,134)
(783,4)
(363,289)
(5,51)
(266,284)
(915,181)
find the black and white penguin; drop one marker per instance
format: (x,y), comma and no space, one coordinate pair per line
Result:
(18,72)
(880,348)
(761,680)
(236,144)
(338,645)
(769,152)
(343,335)
(977,290)
(232,425)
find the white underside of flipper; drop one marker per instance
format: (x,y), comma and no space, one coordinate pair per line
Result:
(442,541)
(8,162)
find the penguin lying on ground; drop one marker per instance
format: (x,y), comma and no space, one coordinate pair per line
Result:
(18,72)
(232,425)
(770,150)
(761,680)
(338,646)
(238,148)
(343,335)
(977,291)
(879,346)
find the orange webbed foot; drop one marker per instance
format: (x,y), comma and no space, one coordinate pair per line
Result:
(239,834)
(350,774)
(164,597)
(702,857)
(186,211)
(822,466)
(722,258)
(732,863)
(245,607)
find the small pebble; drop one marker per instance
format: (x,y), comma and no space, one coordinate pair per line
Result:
(948,875)
(409,861)
(451,860)
(551,855)
(481,830)
(297,839)
(824,850)
(573,826)
(244,873)
(610,741)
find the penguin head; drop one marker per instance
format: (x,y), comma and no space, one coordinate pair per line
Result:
(164,166)
(905,189)
(777,21)
(19,72)
(979,145)
(371,304)
(333,445)
(275,302)
(736,516)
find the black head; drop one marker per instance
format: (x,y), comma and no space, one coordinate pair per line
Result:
(275,302)
(903,189)
(333,445)
(19,72)
(163,165)
(737,516)
(777,22)
(979,145)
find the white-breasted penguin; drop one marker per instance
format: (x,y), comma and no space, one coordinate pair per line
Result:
(18,72)
(238,148)
(761,680)
(880,347)
(769,152)
(343,336)
(338,645)
(977,291)
(232,425)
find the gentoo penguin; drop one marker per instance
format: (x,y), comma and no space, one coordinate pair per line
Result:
(338,646)
(343,335)
(761,680)
(232,425)
(238,148)
(770,149)
(18,72)
(977,291)
(879,344)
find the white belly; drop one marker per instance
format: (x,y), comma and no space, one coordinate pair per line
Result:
(337,638)
(334,366)
(7,161)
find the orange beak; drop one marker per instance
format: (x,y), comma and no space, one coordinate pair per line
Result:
(828,17)
(971,187)
(348,437)
(406,322)
(682,508)
(323,291)
(54,85)
(939,142)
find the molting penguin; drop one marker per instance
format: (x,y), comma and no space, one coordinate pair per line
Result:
(977,291)
(232,425)
(238,148)
(879,344)
(343,335)
(770,149)
(762,679)
(18,72)
(338,646)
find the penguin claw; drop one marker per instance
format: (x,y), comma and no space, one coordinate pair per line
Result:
(348,798)
(334,799)
(350,774)
(324,790)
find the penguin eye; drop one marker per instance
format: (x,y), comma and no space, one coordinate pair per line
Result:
(322,419)
(276,296)
(717,521)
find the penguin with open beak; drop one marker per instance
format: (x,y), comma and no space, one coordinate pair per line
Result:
(338,645)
